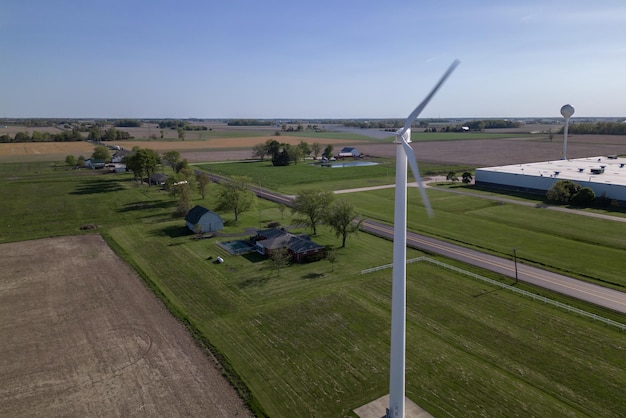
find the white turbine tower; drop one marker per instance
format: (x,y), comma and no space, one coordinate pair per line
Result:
(404,152)
(566,111)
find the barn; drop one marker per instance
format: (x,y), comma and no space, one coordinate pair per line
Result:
(200,220)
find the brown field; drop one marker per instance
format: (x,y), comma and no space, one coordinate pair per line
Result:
(13,129)
(80,335)
(478,152)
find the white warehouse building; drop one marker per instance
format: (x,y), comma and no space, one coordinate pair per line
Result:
(606,175)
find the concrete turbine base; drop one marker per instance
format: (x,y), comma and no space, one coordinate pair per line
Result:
(378,409)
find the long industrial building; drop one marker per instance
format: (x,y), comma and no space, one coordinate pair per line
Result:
(605,175)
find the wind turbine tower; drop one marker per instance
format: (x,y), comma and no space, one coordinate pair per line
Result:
(566,111)
(404,153)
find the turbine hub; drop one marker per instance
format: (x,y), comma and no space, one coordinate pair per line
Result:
(400,136)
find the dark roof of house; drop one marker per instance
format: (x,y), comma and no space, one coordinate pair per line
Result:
(158,177)
(348,149)
(278,238)
(195,213)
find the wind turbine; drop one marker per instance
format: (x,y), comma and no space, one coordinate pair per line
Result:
(404,152)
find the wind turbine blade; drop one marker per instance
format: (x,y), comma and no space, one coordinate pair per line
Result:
(421,106)
(410,155)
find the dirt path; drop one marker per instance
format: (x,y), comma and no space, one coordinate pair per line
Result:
(81,335)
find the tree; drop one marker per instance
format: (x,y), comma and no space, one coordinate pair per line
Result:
(584,197)
(452,176)
(562,191)
(95,133)
(259,151)
(272,147)
(316,148)
(172,158)
(161,131)
(22,137)
(328,151)
(331,256)
(142,162)
(81,161)
(110,134)
(235,195)
(280,258)
(467,177)
(100,152)
(203,181)
(312,205)
(340,217)
(295,154)
(181,165)
(304,149)
(281,209)
(181,134)
(70,160)
(282,156)
(184,200)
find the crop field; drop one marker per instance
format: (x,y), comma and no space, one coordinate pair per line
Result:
(81,335)
(314,339)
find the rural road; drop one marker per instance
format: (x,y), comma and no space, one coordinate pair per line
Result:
(599,295)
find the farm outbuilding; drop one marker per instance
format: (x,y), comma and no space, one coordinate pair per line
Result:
(348,152)
(605,175)
(200,220)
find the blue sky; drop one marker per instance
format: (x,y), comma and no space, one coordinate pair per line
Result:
(313,59)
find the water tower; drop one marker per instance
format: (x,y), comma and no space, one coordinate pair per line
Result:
(567,111)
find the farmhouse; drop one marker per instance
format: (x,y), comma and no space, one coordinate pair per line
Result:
(158,179)
(349,152)
(605,175)
(200,220)
(300,247)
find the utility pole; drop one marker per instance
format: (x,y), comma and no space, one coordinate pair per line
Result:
(515,261)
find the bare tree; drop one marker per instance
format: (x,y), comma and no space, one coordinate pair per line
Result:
(280,259)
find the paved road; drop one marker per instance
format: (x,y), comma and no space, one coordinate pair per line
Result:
(599,295)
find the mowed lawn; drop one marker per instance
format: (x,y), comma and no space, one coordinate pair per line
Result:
(314,341)
(589,248)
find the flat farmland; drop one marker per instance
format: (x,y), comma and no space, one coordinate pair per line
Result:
(43,151)
(195,151)
(81,335)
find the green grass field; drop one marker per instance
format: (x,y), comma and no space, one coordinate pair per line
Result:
(575,245)
(314,341)
(306,174)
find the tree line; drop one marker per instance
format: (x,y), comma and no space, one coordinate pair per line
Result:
(597,128)
(283,154)
(36,136)
(180,124)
